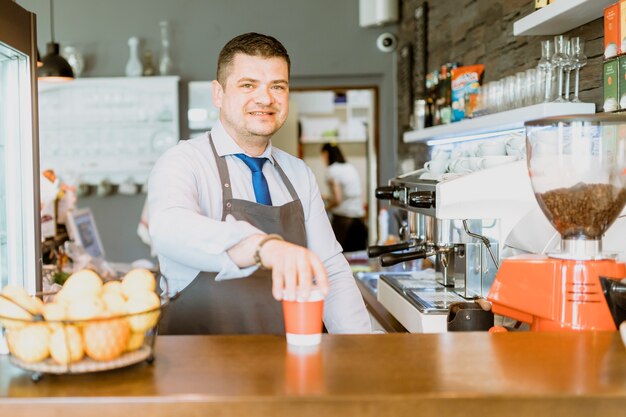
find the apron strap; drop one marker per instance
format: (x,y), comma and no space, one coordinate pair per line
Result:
(292,191)
(222,169)
(227,192)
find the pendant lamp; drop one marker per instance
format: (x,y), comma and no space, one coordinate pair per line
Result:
(55,68)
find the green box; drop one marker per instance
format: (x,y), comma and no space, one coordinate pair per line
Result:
(611,85)
(622,82)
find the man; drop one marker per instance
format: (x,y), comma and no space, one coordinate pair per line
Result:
(228,205)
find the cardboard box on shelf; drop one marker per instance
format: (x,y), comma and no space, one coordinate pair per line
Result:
(612,43)
(611,85)
(622,26)
(466,81)
(621,69)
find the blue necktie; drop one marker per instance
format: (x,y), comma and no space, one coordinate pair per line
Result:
(259,183)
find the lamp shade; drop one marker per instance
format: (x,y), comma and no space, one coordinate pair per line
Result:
(55,67)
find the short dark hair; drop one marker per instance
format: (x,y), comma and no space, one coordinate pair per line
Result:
(334,153)
(250,43)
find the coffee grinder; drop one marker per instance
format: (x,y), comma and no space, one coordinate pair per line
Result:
(577,168)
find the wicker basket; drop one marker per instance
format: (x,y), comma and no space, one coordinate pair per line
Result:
(80,346)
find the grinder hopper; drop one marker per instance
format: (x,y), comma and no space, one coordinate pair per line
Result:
(577,168)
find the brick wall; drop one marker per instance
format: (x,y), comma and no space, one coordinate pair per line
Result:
(479,32)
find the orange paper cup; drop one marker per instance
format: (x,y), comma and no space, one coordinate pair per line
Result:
(303,319)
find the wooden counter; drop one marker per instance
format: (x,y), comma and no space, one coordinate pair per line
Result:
(454,374)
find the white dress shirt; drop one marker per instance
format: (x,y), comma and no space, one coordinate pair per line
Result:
(185,212)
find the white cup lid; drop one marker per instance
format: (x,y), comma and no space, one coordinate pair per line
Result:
(314,295)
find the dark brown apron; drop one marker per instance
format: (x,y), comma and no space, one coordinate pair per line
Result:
(243,305)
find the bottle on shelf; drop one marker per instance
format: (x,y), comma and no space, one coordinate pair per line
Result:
(430,103)
(434,99)
(445,95)
(165,64)
(148,64)
(133,66)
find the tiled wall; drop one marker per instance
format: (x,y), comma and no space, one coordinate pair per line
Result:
(481,32)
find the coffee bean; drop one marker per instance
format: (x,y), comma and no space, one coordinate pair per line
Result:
(584,210)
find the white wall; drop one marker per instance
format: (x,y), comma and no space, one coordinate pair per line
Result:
(326,45)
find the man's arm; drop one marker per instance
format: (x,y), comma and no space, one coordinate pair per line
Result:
(293,267)
(344,309)
(179,229)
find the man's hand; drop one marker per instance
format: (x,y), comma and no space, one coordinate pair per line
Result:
(294,268)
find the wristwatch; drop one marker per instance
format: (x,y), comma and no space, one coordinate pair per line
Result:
(257,252)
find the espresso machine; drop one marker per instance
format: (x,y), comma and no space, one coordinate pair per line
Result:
(458,224)
(577,168)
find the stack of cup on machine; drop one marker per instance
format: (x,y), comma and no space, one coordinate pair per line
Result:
(473,156)
(438,165)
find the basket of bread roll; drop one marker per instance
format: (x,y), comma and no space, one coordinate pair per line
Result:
(87,326)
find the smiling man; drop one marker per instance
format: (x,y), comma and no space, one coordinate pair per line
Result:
(239,224)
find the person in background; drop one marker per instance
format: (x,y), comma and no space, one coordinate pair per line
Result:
(237,223)
(344,202)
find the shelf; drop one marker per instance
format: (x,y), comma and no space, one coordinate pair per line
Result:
(352,106)
(507,120)
(306,141)
(560,17)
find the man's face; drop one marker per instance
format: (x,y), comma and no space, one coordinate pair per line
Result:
(255,100)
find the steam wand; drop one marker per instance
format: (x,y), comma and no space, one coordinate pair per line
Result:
(483,239)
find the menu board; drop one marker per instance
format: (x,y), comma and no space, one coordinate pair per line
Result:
(107,129)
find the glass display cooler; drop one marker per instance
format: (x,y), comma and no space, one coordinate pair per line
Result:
(20,253)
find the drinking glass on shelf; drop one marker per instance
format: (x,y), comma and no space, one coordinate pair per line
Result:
(559,60)
(487,98)
(509,99)
(494,97)
(520,89)
(579,60)
(495,101)
(540,85)
(546,68)
(485,103)
(479,105)
(567,68)
(531,86)
(498,94)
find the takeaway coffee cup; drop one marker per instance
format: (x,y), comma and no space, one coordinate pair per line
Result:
(303,319)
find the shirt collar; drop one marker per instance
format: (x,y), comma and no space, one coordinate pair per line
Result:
(226,145)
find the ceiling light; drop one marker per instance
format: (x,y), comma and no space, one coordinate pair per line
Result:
(55,68)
